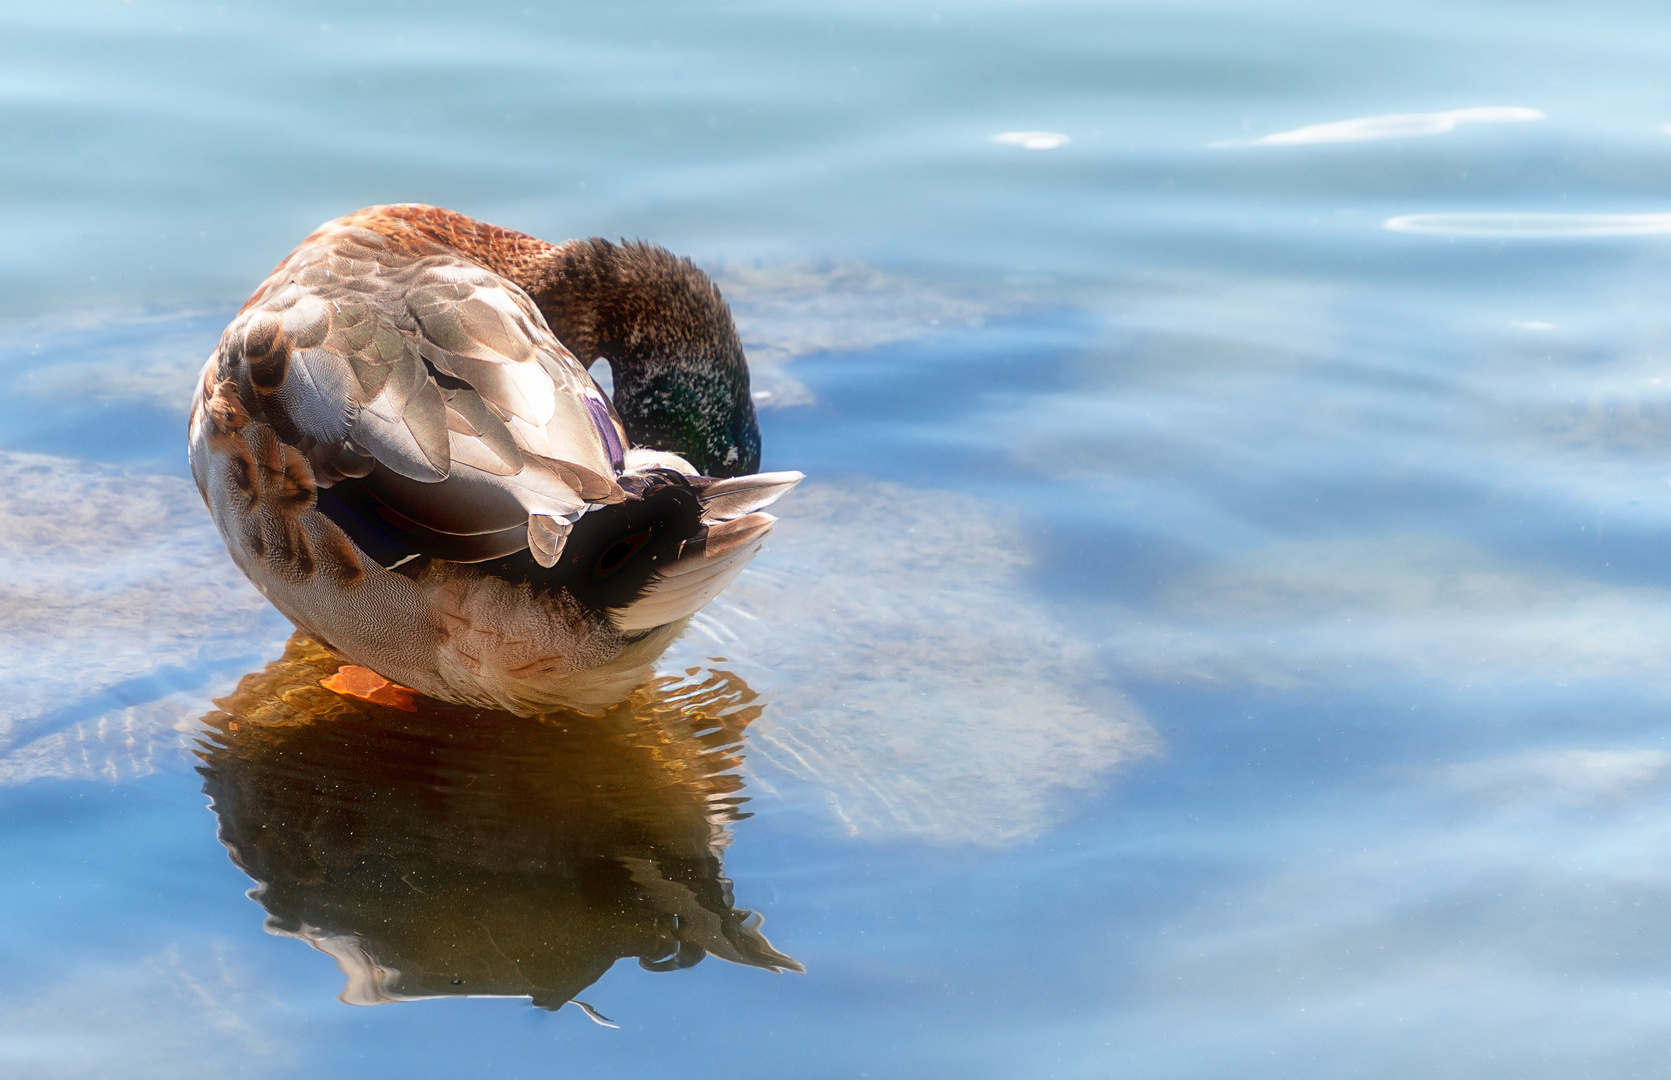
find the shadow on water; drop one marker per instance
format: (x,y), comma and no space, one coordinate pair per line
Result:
(458,852)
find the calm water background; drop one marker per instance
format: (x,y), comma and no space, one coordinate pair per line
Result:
(1223,635)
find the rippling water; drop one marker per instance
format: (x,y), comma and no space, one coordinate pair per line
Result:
(1225,632)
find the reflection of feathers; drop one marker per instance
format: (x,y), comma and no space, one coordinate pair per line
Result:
(451,852)
(408,463)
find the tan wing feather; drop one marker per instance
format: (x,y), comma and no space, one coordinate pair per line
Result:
(356,353)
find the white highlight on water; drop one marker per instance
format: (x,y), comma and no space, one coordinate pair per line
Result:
(1532,225)
(1032,140)
(1392,126)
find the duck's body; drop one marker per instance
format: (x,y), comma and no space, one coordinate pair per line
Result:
(409,463)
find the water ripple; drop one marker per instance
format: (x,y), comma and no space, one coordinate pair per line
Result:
(1392,126)
(1533,225)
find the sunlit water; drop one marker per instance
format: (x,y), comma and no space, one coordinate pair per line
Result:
(1226,630)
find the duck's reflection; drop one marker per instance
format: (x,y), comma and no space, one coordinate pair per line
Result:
(450,851)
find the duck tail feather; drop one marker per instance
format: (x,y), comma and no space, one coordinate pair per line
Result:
(705,566)
(725,500)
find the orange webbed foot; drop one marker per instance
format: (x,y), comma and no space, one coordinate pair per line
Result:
(364,684)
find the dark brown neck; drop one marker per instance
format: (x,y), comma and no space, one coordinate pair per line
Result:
(681,381)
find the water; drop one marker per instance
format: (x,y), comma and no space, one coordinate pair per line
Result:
(1224,633)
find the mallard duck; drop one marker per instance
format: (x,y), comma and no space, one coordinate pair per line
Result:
(401,445)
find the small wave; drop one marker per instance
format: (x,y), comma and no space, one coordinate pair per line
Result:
(1534,225)
(1032,140)
(1391,126)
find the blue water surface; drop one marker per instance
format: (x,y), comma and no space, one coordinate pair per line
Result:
(1226,630)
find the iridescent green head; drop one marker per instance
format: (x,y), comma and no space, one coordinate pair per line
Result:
(681,380)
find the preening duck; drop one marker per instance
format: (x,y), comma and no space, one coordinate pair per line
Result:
(401,445)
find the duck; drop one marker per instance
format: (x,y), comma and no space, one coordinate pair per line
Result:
(400,441)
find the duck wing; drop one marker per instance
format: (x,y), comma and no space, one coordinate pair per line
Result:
(439,413)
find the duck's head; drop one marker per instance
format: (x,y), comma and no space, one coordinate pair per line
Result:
(681,380)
